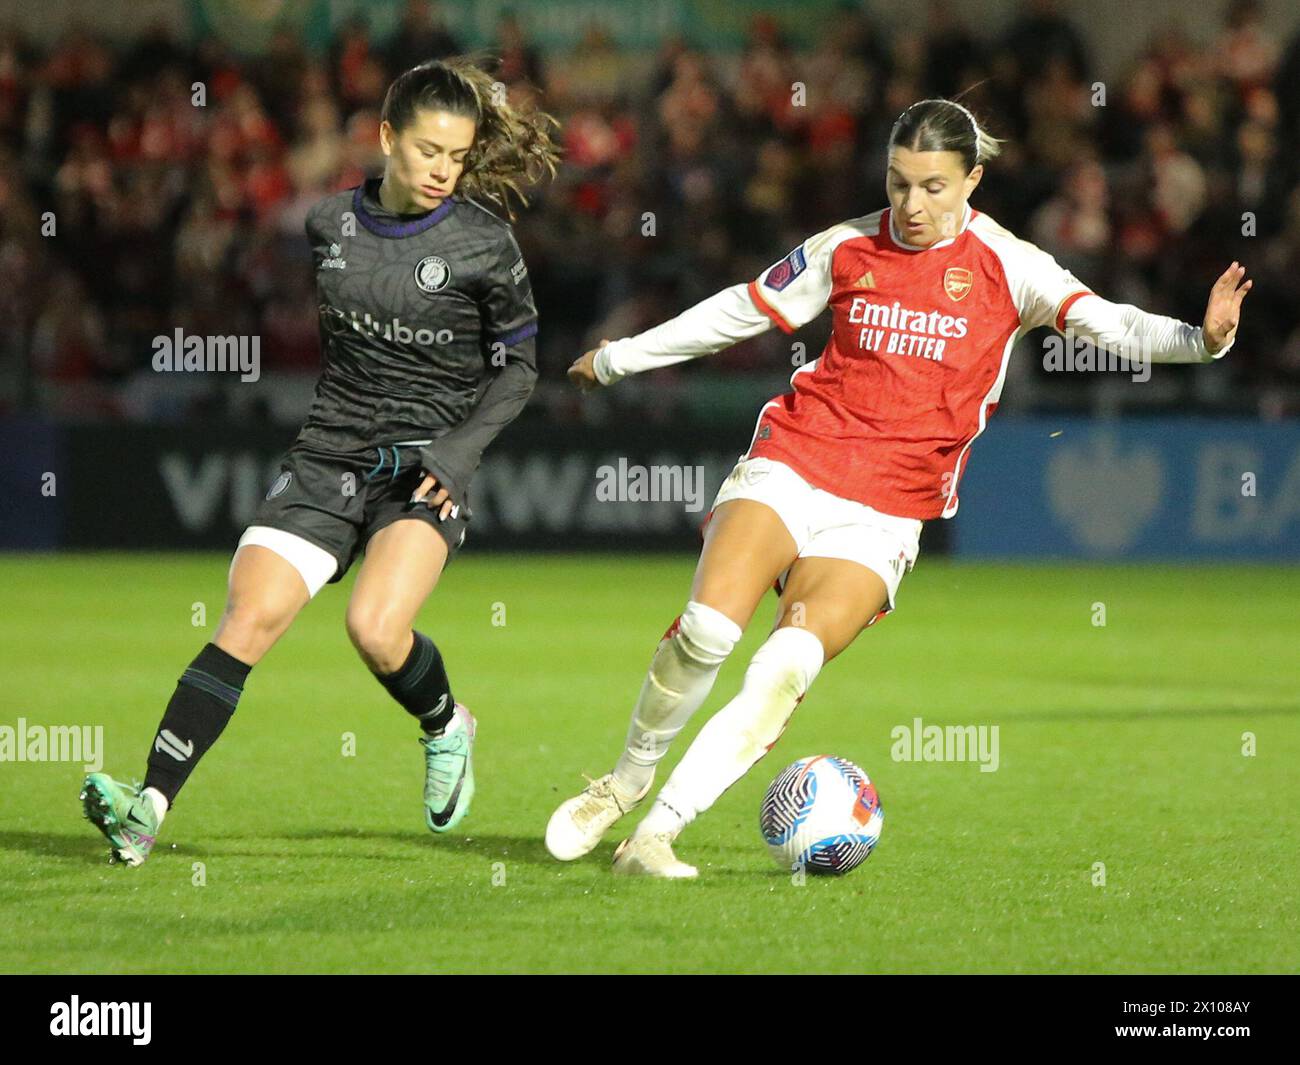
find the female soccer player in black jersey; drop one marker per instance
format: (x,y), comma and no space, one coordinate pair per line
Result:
(428,335)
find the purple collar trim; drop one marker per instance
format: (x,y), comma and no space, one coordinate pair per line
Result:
(397,229)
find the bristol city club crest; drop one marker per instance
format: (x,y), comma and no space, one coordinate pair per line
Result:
(432,273)
(957,281)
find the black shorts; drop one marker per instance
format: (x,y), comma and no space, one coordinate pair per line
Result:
(338,502)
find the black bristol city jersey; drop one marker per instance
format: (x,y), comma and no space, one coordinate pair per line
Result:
(427,327)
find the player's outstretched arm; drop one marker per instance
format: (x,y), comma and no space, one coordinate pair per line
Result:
(788,294)
(721,320)
(1157,337)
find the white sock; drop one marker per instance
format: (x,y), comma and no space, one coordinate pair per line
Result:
(739,734)
(682,671)
(159,802)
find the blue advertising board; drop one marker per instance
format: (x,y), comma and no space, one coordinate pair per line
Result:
(1169,488)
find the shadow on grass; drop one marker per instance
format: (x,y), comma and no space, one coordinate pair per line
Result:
(417,846)
(418,842)
(88,844)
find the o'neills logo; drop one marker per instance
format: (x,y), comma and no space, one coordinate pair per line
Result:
(892,329)
(957,281)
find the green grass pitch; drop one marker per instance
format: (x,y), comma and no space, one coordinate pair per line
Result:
(1119,744)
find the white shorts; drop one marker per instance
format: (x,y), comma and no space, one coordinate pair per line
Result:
(825,525)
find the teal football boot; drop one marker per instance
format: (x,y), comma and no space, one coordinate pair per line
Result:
(449,772)
(123,814)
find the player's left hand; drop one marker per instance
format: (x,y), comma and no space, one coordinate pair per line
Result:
(1223,312)
(441,499)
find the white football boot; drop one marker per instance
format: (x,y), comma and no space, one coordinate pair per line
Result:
(651,856)
(579,823)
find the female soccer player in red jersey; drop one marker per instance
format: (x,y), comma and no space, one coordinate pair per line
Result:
(928,297)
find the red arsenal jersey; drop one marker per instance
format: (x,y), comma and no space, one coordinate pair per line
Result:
(916,358)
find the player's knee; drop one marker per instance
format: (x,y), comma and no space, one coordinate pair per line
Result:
(248,630)
(381,639)
(834,628)
(705,635)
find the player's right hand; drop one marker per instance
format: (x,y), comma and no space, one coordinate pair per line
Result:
(1223,311)
(583,371)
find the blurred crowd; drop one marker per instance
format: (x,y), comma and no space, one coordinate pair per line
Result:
(169,214)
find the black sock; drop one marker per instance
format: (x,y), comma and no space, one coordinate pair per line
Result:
(421,685)
(205,697)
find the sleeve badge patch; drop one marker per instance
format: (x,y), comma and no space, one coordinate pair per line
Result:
(786,270)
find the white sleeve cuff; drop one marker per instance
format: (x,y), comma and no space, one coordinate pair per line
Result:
(1221,352)
(600,365)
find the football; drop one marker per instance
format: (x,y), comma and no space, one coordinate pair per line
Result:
(822,815)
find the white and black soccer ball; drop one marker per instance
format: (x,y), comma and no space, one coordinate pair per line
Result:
(822,815)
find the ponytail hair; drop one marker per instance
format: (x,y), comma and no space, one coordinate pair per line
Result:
(944,126)
(512,145)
